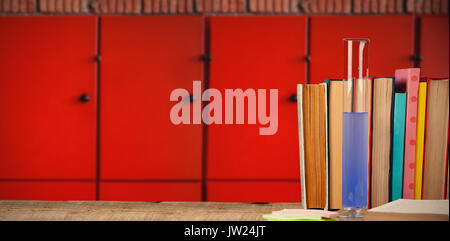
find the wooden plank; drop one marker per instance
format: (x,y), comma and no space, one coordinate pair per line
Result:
(137,211)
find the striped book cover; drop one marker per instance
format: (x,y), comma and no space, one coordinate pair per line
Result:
(409,78)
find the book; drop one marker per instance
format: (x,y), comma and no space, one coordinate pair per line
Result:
(398,141)
(408,80)
(411,210)
(335,110)
(436,140)
(312,109)
(420,138)
(381,140)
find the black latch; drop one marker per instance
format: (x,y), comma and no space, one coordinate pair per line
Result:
(416,58)
(308,58)
(206,57)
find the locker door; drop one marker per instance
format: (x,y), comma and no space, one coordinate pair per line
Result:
(434,46)
(258,53)
(143,60)
(391,44)
(47,132)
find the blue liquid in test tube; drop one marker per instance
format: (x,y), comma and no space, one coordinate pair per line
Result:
(354,159)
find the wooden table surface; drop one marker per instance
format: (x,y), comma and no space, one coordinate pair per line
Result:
(136,211)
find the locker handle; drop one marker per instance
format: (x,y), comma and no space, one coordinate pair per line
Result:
(84,98)
(293,98)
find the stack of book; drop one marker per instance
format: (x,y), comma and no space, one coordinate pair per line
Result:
(408,146)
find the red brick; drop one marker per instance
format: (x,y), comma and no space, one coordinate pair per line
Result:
(75,6)
(410,6)
(419,4)
(436,6)
(321,4)
(22,6)
(67,6)
(112,6)
(286,6)
(15,6)
(399,6)
(181,6)
(232,6)
(241,6)
(172,6)
(330,6)
(104,6)
(59,6)
(148,6)
(127,6)
(253,5)
(357,6)
(208,6)
(137,6)
(31,6)
(261,6)
(216,5)
(156,6)
(374,6)
(269,6)
(346,6)
(277,4)
(199,4)
(164,6)
(120,6)
(189,6)
(366,6)
(6,5)
(444,6)
(337,6)
(427,6)
(314,6)
(294,6)
(84,6)
(225,6)
(390,6)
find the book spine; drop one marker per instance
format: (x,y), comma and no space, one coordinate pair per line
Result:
(398,145)
(301,145)
(412,88)
(420,139)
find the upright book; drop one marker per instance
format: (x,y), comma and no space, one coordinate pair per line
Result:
(409,80)
(398,141)
(436,140)
(312,110)
(381,140)
(420,138)
(335,110)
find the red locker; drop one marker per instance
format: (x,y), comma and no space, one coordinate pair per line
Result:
(391,44)
(143,60)
(47,190)
(434,46)
(151,191)
(47,132)
(244,191)
(258,53)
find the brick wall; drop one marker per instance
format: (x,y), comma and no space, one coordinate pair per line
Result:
(147,7)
